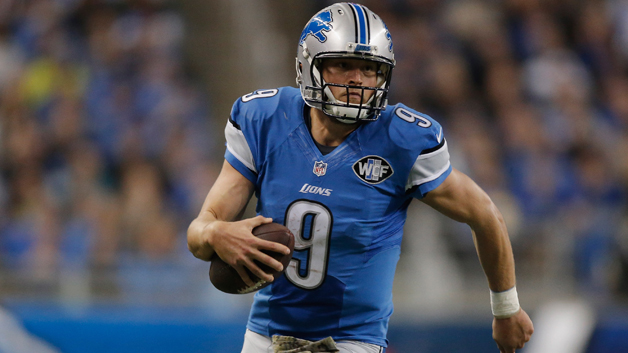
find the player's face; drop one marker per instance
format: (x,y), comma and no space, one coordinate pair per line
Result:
(354,72)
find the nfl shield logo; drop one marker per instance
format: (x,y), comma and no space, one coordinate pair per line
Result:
(320,168)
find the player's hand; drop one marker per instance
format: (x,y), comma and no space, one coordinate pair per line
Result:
(512,333)
(236,245)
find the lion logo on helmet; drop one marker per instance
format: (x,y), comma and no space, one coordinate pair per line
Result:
(318,24)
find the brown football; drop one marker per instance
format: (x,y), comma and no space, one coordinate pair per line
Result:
(227,279)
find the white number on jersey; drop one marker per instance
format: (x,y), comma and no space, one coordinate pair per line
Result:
(317,242)
(263,93)
(412,117)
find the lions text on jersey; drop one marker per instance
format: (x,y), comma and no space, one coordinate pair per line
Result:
(346,209)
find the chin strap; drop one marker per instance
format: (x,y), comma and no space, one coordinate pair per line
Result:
(348,111)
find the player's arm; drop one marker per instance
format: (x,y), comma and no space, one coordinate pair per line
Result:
(218,230)
(461,199)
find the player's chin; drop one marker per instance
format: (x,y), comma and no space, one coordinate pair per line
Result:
(355,99)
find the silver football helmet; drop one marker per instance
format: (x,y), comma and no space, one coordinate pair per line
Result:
(344,30)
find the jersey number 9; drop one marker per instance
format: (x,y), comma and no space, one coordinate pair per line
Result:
(320,220)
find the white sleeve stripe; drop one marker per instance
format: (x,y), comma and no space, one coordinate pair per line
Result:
(428,167)
(237,145)
(412,183)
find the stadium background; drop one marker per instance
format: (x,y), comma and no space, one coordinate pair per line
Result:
(111,121)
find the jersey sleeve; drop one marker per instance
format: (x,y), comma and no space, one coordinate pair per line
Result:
(250,127)
(241,149)
(432,166)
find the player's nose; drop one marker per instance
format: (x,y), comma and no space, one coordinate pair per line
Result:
(355,76)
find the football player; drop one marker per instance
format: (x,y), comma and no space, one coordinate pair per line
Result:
(339,167)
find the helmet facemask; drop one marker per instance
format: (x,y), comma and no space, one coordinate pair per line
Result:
(347,112)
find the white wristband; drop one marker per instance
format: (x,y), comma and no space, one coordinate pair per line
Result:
(505,304)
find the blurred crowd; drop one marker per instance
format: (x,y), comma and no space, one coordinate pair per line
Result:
(533,96)
(106,157)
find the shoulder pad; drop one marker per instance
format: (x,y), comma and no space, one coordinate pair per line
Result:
(412,130)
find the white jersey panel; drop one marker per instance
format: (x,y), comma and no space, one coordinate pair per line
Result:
(237,145)
(429,166)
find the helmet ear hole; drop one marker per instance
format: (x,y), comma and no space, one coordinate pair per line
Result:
(299,68)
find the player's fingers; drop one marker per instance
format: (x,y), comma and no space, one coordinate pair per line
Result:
(258,271)
(259,220)
(273,246)
(521,345)
(245,276)
(528,334)
(502,349)
(269,261)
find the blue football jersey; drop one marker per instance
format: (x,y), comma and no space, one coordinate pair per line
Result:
(346,209)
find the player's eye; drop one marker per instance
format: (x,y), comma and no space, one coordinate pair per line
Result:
(369,70)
